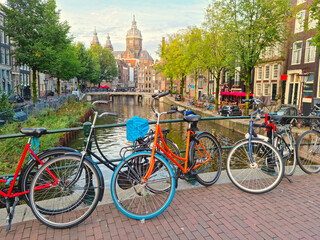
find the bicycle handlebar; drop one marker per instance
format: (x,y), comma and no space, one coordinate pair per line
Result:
(104,113)
(156,96)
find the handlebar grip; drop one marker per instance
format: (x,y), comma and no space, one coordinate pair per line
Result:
(161,94)
(171,111)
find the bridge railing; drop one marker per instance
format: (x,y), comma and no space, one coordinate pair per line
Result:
(75,129)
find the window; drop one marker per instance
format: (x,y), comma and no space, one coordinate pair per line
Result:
(237,76)
(267,73)
(296,52)
(226,77)
(310,55)
(275,71)
(312,21)
(7,57)
(259,73)
(259,89)
(266,89)
(299,23)
(3,55)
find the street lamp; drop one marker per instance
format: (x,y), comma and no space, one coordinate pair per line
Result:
(45,85)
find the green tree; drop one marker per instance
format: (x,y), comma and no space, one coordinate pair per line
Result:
(89,70)
(253,25)
(35,29)
(6,108)
(315,16)
(173,56)
(67,64)
(216,47)
(194,54)
(107,63)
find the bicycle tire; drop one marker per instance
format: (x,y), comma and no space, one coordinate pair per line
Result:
(262,176)
(66,211)
(287,148)
(209,172)
(308,155)
(29,170)
(128,192)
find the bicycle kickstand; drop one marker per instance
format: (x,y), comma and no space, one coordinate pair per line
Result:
(11,213)
(290,181)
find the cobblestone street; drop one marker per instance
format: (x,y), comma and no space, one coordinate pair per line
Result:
(291,211)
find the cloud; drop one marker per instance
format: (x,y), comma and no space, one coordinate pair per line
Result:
(153,23)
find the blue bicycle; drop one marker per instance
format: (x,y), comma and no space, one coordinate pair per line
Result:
(253,164)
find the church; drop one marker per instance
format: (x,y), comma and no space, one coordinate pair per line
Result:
(135,65)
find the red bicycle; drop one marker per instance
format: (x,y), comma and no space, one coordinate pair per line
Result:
(17,186)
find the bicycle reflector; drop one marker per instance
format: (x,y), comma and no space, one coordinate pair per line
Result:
(136,127)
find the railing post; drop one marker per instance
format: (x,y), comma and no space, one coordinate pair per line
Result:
(86,131)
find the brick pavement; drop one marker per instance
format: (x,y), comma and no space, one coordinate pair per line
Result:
(291,211)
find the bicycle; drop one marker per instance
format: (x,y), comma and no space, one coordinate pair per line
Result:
(79,182)
(13,190)
(308,146)
(156,189)
(253,164)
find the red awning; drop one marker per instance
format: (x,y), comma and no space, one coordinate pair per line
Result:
(239,94)
(105,86)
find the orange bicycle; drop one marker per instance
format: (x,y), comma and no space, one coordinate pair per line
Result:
(142,185)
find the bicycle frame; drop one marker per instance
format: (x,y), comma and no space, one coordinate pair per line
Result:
(12,182)
(171,155)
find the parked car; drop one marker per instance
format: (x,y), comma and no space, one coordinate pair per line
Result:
(230,110)
(286,111)
(177,97)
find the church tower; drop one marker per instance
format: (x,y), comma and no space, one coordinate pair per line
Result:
(108,44)
(95,40)
(134,40)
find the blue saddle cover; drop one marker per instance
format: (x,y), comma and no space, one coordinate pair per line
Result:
(136,127)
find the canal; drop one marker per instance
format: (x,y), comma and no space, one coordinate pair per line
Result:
(111,140)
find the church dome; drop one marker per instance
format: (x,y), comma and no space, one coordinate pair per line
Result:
(134,32)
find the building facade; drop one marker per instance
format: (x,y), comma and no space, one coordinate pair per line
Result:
(301,84)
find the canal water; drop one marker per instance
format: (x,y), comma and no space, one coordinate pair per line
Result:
(111,140)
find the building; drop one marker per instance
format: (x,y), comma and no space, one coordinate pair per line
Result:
(135,65)
(267,73)
(301,85)
(5,63)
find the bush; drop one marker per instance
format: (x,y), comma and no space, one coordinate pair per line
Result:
(6,108)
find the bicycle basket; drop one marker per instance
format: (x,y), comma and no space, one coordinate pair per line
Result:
(136,127)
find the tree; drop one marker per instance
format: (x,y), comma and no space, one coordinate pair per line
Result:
(173,56)
(67,64)
(216,47)
(35,29)
(315,14)
(107,63)
(89,67)
(253,25)
(194,57)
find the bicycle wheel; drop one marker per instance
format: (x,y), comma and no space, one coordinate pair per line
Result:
(286,148)
(137,199)
(308,151)
(69,200)
(205,170)
(30,169)
(261,176)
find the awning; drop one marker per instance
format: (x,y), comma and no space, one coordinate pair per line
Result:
(239,94)
(105,86)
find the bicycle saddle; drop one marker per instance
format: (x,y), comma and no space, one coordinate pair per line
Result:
(34,132)
(192,118)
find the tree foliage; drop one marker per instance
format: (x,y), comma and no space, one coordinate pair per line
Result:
(107,63)
(89,70)
(253,25)
(36,32)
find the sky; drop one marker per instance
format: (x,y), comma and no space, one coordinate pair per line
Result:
(155,19)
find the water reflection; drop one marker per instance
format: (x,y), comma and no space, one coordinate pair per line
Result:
(111,140)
